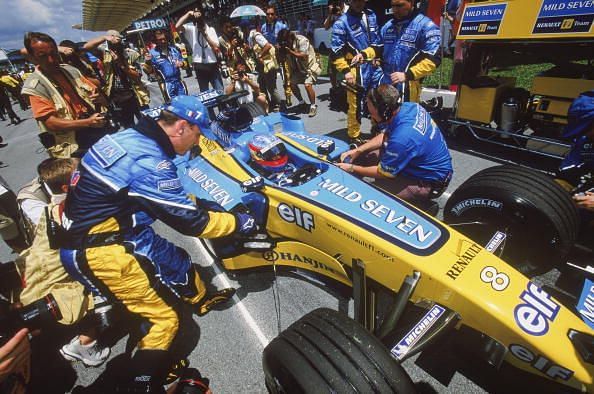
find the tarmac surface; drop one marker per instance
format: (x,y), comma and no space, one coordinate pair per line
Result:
(231,340)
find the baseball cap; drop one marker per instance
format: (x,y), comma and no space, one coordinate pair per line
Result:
(191,109)
(114,33)
(580,115)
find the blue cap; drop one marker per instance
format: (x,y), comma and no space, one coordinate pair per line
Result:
(191,109)
(580,115)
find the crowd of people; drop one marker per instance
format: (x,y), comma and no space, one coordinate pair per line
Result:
(87,216)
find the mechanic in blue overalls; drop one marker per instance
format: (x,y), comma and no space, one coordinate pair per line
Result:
(580,159)
(355,39)
(411,49)
(127,181)
(167,61)
(410,159)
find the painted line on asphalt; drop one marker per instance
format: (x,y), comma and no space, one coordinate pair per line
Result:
(247,317)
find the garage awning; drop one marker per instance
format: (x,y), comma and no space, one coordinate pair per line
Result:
(101,15)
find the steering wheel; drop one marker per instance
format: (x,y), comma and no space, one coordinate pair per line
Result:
(302,175)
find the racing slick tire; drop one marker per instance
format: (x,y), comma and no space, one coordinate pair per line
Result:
(327,352)
(537,215)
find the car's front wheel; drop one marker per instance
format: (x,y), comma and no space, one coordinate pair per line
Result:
(327,352)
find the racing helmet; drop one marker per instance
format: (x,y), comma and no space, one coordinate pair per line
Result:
(268,152)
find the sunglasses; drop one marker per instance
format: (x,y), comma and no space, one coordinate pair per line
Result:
(270,13)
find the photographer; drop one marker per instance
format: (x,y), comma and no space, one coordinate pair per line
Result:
(267,66)
(205,44)
(244,81)
(67,106)
(122,73)
(234,47)
(304,65)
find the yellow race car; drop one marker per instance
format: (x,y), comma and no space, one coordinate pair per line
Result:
(332,225)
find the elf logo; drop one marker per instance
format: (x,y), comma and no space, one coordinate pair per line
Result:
(295,215)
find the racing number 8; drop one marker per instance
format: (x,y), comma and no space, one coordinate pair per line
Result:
(498,280)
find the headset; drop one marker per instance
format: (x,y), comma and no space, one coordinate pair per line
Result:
(384,109)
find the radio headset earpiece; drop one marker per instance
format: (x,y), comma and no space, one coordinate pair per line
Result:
(384,109)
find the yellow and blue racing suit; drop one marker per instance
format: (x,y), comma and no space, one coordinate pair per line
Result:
(411,46)
(126,182)
(353,34)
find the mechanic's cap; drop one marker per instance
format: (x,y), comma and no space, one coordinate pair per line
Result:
(580,115)
(114,33)
(191,109)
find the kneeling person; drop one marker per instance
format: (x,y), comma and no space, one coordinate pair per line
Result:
(42,271)
(241,80)
(126,182)
(411,159)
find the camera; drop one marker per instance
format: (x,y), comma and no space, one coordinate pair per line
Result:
(36,315)
(199,21)
(241,74)
(111,122)
(103,312)
(585,184)
(224,69)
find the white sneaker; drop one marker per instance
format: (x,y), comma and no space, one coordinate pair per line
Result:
(313,110)
(91,355)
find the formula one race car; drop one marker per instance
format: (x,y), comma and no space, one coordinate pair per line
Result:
(321,220)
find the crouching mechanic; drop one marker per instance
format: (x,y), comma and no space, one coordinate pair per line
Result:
(411,159)
(126,181)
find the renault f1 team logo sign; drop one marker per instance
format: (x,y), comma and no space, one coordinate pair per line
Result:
(482,20)
(564,16)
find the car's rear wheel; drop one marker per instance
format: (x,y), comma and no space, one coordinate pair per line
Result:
(537,215)
(327,352)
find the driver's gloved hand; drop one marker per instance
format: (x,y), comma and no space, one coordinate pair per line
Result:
(210,205)
(245,224)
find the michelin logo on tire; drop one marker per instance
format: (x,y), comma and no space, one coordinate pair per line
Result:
(462,206)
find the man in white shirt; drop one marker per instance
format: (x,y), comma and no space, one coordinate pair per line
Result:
(205,43)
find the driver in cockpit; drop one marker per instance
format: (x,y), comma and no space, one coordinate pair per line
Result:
(268,156)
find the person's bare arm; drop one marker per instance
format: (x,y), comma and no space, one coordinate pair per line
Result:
(265,50)
(53,123)
(179,26)
(95,42)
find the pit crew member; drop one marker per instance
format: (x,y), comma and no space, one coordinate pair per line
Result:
(580,159)
(167,61)
(411,159)
(127,181)
(355,38)
(411,49)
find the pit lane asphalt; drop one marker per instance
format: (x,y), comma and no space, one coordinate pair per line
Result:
(232,340)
